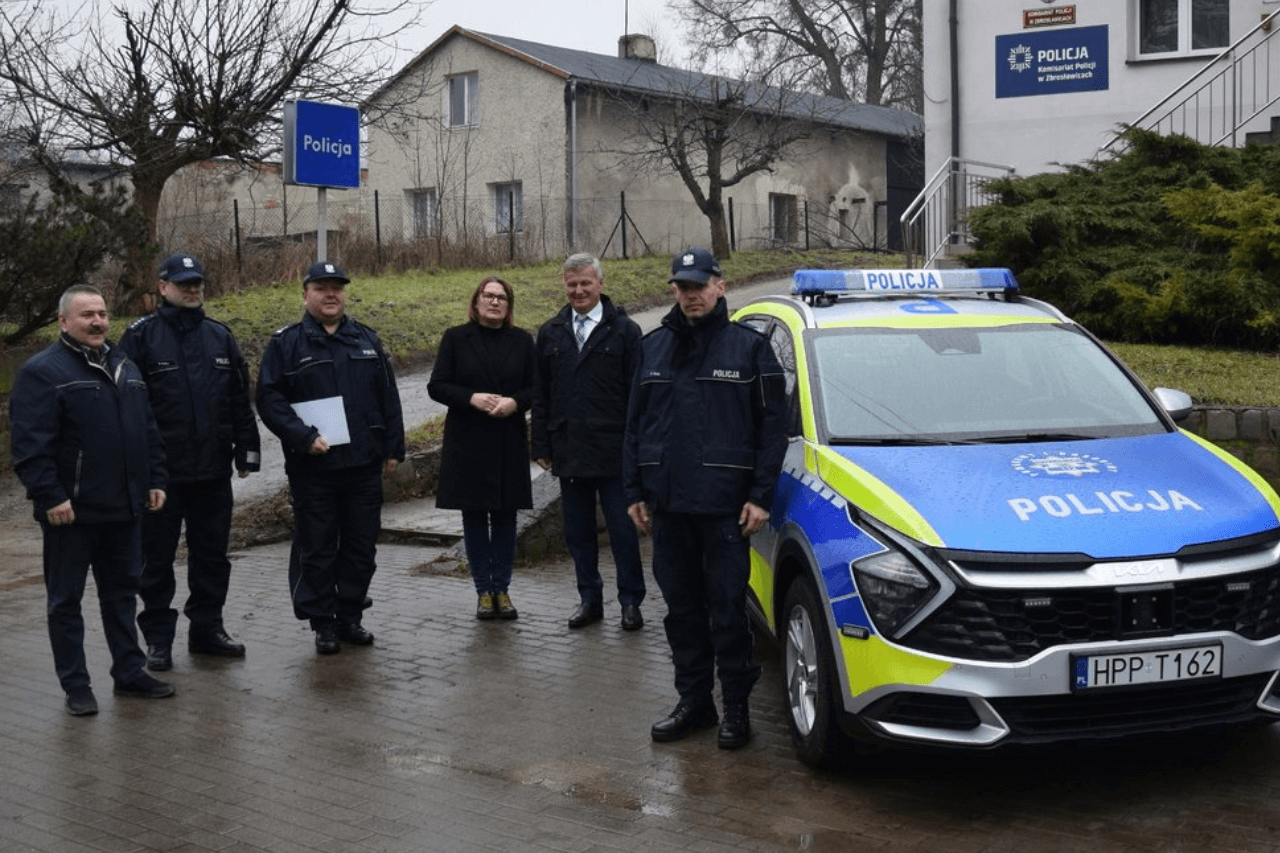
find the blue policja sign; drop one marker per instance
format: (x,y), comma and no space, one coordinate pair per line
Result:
(321,145)
(1050,63)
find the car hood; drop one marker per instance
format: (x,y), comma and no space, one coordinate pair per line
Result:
(1107,498)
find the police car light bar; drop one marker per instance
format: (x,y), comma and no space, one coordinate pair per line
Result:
(832,284)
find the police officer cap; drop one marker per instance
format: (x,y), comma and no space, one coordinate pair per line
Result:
(697,266)
(325,271)
(180,267)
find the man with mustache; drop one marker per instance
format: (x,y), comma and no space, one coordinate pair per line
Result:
(86,446)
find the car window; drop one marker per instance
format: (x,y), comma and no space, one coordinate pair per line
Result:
(973,384)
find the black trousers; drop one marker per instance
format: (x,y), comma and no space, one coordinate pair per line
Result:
(205,508)
(702,564)
(337,519)
(112,551)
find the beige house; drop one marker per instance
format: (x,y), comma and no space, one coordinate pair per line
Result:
(495,139)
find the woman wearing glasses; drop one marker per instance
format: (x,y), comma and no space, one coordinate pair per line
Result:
(484,374)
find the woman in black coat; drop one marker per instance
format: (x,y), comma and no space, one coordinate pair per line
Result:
(484,374)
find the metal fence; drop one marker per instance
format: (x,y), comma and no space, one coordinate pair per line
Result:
(368,231)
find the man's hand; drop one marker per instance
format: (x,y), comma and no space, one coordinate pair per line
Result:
(242,473)
(155,500)
(61,515)
(752,518)
(390,465)
(543,463)
(319,447)
(640,515)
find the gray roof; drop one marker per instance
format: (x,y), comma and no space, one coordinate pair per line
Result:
(648,77)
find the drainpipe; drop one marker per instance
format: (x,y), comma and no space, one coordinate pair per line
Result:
(573,165)
(955,79)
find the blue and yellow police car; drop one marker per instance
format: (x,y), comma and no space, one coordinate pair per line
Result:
(988,531)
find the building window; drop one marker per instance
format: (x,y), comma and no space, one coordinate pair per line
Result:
(508,207)
(782,217)
(1182,26)
(463,93)
(425,207)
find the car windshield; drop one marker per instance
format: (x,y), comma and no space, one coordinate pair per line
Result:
(1028,382)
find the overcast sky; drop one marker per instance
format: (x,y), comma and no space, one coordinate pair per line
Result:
(591,25)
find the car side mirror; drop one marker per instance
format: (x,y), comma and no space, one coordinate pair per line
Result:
(1177,403)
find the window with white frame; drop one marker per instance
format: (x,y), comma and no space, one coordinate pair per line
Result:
(1172,27)
(508,207)
(425,211)
(463,94)
(782,217)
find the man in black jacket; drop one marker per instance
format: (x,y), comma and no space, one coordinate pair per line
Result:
(704,445)
(586,359)
(85,445)
(199,387)
(327,390)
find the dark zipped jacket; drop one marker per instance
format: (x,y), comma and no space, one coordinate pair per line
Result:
(303,363)
(199,387)
(580,398)
(705,426)
(82,429)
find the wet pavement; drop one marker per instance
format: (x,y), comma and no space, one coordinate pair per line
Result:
(452,734)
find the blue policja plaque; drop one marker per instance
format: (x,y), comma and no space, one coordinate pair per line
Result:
(321,145)
(1050,63)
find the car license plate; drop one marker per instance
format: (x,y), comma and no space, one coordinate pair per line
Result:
(1158,666)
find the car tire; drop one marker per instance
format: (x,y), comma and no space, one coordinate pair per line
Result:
(810,682)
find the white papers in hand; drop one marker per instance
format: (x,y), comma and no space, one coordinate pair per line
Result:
(327,415)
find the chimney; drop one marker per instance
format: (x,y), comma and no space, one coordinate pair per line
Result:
(637,46)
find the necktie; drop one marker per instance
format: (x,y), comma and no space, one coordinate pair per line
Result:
(581,332)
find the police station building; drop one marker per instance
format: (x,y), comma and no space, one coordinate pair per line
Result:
(1030,84)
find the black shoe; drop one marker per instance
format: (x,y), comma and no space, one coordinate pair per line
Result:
(327,640)
(684,719)
(735,731)
(81,703)
(355,633)
(631,618)
(586,614)
(484,606)
(215,642)
(160,657)
(143,686)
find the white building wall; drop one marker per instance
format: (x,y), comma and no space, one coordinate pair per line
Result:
(1035,132)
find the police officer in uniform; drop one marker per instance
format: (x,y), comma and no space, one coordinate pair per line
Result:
(336,456)
(198,384)
(704,444)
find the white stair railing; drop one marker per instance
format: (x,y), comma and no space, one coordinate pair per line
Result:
(937,220)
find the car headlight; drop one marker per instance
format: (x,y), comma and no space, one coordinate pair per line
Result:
(893,589)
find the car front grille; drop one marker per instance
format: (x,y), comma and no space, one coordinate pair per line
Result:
(1115,713)
(1009,625)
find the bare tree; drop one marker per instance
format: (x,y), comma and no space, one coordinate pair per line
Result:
(155,85)
(854,50)
(714,132)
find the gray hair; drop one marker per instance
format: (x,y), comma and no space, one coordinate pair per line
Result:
(64,301)
(581,261)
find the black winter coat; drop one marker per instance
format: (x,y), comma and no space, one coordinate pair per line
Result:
(706,430)
(302,363)
(580,398)
(199,387)
(485,461)
(84,431)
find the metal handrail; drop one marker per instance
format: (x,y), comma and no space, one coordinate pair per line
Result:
(937,217)
(1214,111)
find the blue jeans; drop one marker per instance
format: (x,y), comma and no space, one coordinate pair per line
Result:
(113,550)
(489,535)
(702,564)
(578,503)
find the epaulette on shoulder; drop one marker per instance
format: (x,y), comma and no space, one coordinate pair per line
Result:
(285,328)
(217,321)
(141,321)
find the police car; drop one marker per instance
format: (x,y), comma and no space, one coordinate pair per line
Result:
(988,531)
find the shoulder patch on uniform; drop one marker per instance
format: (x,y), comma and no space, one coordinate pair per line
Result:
(285,328)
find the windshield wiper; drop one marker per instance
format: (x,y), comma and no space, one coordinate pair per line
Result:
(1031,437)
(903,441)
